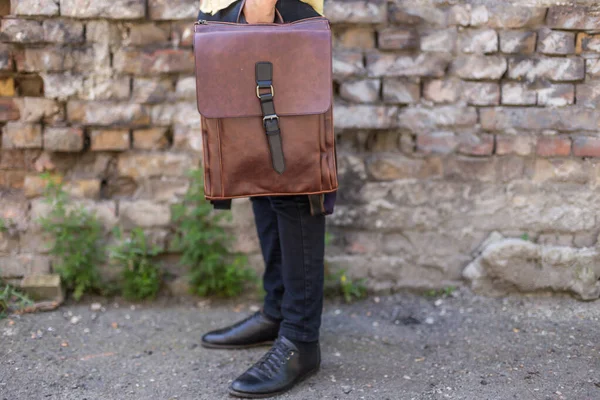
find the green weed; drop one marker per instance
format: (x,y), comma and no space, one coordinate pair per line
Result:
(77,241)
(445,292)
(203,244)
(141,277)
(12,299)
(339,284)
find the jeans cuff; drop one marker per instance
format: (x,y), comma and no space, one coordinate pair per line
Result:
(298,336)
(271,313)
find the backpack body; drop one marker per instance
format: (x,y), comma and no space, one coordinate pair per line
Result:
(265,97)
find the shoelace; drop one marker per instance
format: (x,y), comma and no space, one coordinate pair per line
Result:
(270,363)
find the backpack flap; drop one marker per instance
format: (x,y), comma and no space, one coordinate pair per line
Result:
(226,57)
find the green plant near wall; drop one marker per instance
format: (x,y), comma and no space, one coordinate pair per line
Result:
(12,299)
(76,236)
(204,246)
(340,284)
(141,277)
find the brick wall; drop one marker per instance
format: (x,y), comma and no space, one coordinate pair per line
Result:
(453,121)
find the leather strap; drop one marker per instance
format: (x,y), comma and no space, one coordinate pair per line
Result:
(264,80)
(317,204)
(221,204)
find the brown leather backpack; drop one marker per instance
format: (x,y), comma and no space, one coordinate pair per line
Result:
(264,92)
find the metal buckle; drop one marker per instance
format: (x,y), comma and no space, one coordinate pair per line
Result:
(270,117)
(258,91)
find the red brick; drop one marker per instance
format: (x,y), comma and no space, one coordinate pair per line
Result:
(110,140)
(18,159)
(476,145)
(13,179)
(519,145)
(182,34)
(356,37)
(144,62)
(16,135)
(63,139)
(548,146)
(437,142)
(35,185)
(584,146)
(150,139)
(9,111)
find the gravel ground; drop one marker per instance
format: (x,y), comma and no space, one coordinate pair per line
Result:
(399,347)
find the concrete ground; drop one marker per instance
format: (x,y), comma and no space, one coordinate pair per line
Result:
(399,347)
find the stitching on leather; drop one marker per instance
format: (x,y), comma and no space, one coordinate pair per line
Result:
(320,159)
(243,196)
(207,168)
(333,157)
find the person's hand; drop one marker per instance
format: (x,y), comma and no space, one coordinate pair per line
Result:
(259,11)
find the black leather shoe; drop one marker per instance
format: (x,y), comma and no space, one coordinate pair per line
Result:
(277,371)
(256,330)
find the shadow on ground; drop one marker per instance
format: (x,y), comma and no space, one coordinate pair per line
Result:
(398,347)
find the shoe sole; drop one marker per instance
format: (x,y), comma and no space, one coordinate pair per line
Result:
(235,346)
(245,395)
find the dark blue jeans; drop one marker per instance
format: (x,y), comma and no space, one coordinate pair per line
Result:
(293,246)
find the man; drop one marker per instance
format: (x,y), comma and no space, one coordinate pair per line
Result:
(293,245)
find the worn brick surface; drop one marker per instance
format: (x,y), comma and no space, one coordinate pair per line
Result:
(107,113)
(507,16)
(63,31)
(374,11)
(478,41)
(539,119)
(518,94)
(172,9)
(557,69)
(357,38)
(585,146)
(521,145)
(115,9)
(522,42)
(439,40)
(555,42)
(443,142)
(439,107)
(588,94)
(481,93)
(9,111)
(395,38)
(479,67)
(109,140)
(21,31)
(63,139)
(587,43)
(556,95)
(34,7)
(573,17)
(475,145)
(442,90)
(400,90)
(550,146)
(17,135)
(150,139)
(425,64)
(347,64)
(146,62)
(361,91)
